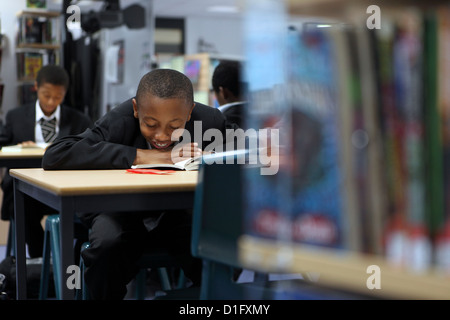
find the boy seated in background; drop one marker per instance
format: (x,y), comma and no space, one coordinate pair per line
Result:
(229,91)
(39,122)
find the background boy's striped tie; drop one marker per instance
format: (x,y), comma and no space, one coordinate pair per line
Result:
(48,129)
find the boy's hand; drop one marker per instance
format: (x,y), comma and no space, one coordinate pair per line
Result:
(28,144)
(185,151)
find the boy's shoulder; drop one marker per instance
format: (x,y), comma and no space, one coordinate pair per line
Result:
(20,110)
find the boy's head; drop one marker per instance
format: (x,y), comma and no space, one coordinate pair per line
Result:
(51,86)
(164,102)
(226,82)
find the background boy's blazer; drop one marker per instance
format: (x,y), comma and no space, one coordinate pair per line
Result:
(235,114)
(20,123)
(20,126)
(113,141)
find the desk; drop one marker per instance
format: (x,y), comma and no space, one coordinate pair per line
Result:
(77,191)
(25,158)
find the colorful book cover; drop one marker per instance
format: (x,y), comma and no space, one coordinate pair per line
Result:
(304,202)
(268,198)
(409,69)
(33,30)
(36,4)
(32,64)
(401,49)
(394,235)
(318,215)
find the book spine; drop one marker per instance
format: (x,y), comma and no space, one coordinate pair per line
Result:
(439,144)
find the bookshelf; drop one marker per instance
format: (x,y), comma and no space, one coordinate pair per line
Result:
(406,183)
(38,42)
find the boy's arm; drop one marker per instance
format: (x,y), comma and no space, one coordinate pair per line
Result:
(178,153)
(108,145)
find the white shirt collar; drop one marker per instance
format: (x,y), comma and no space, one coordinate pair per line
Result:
(224,107)
(40,114)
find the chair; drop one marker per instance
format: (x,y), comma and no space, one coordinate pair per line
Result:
(51,253)
(217,225)
(158,259)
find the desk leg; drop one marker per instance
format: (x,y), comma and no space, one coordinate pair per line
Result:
(21,270)
(67,253)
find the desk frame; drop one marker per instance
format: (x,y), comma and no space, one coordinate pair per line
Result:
(68,206)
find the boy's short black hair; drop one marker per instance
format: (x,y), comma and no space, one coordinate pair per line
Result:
(53,74)
(167,84)
(227,75)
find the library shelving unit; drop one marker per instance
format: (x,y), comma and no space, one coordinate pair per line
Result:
(38,42)
(337,268)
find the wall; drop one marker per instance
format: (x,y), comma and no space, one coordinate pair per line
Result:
(224,35)
(8,74)
(138,49)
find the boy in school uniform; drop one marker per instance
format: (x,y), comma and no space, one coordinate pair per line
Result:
(40,122)
(228,89)
(138,131)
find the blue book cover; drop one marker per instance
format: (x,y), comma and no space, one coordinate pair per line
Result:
(303,202)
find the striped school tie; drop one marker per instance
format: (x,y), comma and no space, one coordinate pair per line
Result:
(48,129)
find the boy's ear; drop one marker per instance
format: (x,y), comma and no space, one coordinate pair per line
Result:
(35,85)
(224,92)
(192,108)
(135,108)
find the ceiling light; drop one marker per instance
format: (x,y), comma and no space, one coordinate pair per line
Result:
(223,9)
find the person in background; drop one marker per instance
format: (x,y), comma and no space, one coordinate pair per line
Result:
(141,130)
(229,91)
(39,123)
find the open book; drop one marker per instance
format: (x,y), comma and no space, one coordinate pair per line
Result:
(188,165)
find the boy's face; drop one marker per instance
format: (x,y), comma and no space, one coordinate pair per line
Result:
(50,96)
(158,118)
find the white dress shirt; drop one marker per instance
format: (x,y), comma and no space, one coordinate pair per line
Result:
(39,139)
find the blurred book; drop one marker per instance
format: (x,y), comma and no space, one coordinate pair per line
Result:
(28,65)
(36,4)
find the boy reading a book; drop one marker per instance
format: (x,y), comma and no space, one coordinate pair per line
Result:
(138,131)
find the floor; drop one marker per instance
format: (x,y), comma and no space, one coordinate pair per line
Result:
(153,287)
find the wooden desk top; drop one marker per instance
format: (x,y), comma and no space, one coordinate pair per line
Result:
(22,153)
(89,182)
